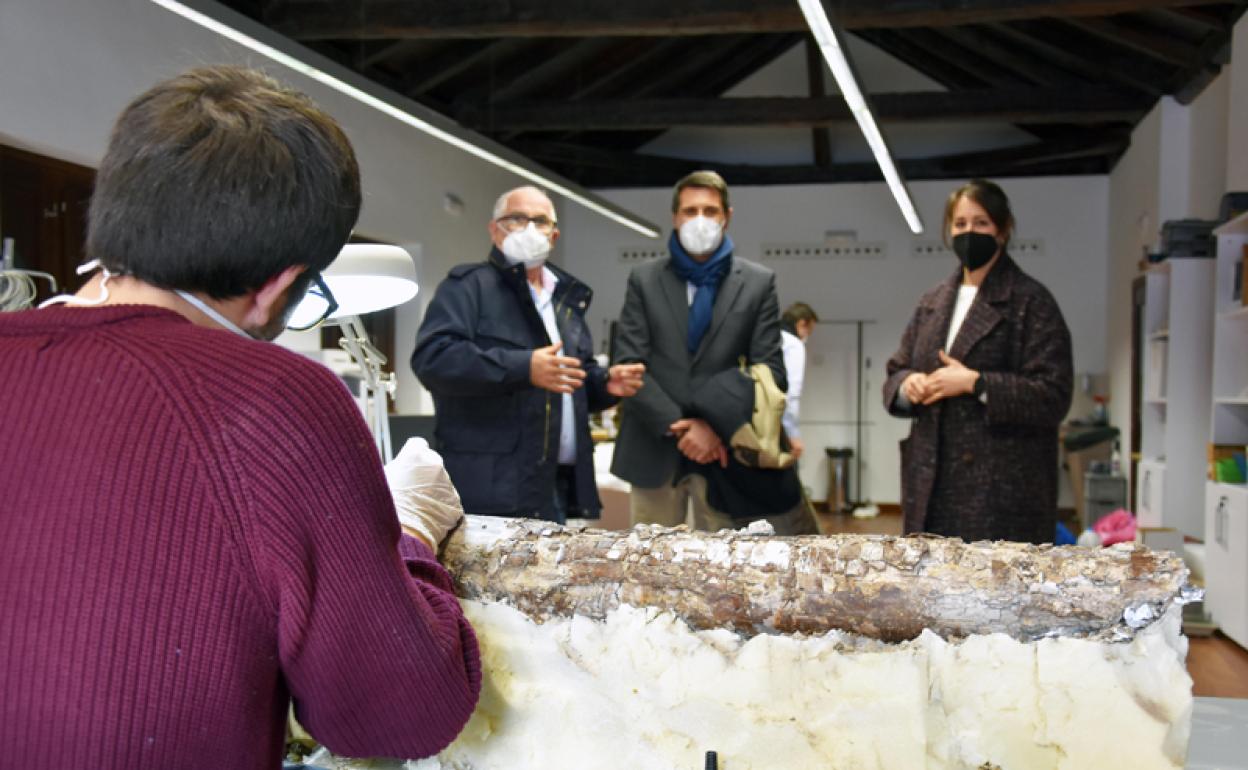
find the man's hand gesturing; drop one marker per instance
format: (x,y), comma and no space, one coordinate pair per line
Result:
(624,380)
(558,374)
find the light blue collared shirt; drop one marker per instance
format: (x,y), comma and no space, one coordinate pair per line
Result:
(543,299)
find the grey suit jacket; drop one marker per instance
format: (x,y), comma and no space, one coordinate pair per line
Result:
(652,329)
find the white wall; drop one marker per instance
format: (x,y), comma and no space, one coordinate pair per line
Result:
(1237,118)
(1068,214)
(67,68)
(1133,221)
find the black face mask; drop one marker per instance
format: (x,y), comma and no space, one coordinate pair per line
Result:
(975,249)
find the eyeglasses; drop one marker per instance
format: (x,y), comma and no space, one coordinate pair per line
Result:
(515,222)
(316,308)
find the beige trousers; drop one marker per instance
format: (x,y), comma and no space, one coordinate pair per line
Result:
(685,503)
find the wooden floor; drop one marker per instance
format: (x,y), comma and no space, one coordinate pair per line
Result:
(1218,666)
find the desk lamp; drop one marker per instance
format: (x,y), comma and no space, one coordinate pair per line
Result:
(364,278)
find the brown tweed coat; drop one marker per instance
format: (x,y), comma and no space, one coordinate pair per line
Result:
(986,470)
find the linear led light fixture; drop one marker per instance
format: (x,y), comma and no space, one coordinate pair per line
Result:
(210,14)
(831,42)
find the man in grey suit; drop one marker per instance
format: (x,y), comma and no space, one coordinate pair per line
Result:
(688,318)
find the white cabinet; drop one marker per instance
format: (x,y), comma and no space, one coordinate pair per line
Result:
(1226,558)
(1150,485)
(1178,352)
(1226,505)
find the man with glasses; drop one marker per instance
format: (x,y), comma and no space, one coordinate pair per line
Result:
(506,353)
(197,529)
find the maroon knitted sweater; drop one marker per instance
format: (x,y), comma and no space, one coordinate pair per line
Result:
(195,528)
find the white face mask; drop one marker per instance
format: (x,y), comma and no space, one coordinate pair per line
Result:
(526,247)
(701,235)
(70,299)
(212,313)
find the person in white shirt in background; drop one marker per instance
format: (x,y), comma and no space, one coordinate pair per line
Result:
(796,325)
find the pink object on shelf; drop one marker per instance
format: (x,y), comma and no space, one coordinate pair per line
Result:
(1116,527)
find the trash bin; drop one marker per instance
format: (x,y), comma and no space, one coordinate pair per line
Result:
(838,479)
(1103,494)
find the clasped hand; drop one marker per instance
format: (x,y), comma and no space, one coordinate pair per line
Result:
(699,442)
(951,379)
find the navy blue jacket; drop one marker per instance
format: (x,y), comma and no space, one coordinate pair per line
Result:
(498,433)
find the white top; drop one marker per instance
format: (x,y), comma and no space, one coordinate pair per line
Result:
(546,309)
(966,296)
(794,350)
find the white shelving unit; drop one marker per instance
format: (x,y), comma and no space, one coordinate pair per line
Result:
(1230,365)
(1226,505)
(1178,353)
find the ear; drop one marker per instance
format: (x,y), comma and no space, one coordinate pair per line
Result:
(554,237)
(727,217)
(269,298)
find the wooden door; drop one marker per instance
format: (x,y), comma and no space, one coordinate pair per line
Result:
(43,209)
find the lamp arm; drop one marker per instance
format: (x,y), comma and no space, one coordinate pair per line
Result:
(379,386)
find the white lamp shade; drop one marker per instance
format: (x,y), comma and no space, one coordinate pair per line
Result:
(364,278)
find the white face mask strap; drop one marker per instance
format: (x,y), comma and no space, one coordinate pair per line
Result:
(70,299)
(212,313)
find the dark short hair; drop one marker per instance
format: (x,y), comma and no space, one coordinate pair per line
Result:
(798,311)
(219,179)
(991,198)
(707,179)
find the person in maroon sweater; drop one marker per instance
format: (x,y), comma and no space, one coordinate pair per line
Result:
(196,529)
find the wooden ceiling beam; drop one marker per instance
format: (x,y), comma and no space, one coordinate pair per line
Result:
(1190,82)
(382,50)
(1083,105)
(1189,20)
(455,61)
(553,71)
(929,65)
(758,52)
(1002,53)
(1089,55)
(605,168)
(629,71)
(1217,17)
(711,75)
(1166,49)
(659,66)
(969,60)
(365,19)
(820,137)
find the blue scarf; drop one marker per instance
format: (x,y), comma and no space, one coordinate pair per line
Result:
(706,276)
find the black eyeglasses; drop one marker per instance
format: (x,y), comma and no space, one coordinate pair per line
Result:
(315,308)
(516,222)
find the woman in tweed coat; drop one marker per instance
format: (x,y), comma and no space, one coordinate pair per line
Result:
(984,372)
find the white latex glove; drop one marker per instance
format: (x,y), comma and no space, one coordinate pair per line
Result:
(424,496)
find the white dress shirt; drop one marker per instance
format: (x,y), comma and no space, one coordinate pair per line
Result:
(545,307)
(794,350)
